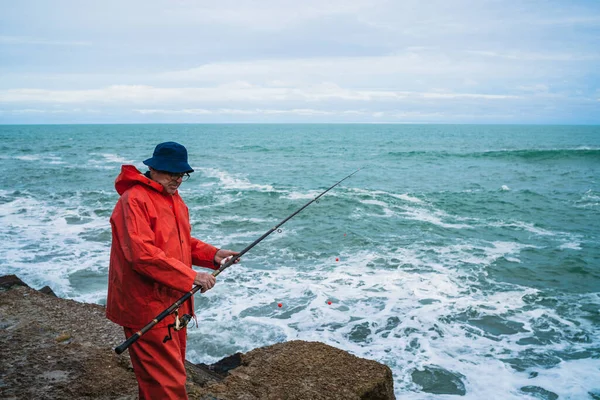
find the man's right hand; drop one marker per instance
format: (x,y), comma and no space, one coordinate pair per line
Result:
(207,281)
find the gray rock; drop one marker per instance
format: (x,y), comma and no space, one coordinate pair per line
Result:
(302,370)
(48,290)
(8,281)
(437,380)
(539,393)
(68,353)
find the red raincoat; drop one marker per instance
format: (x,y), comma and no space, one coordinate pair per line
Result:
(152,252)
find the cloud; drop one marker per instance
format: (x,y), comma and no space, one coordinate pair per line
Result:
(40,41)
(49,111)
(258,111)
(393,115)
(533,56)
(367,59)
(534,88)
(241,92)
(267,15)
(576,20)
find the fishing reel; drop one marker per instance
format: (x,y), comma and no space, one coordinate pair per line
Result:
(178,325)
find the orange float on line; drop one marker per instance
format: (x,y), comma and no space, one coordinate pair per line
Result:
(279,305)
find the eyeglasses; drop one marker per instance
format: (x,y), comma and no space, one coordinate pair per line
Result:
(175,176)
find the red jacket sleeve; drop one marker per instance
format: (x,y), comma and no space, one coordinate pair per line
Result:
(137,241)
(203,254)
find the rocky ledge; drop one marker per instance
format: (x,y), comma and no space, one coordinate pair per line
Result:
(55,348)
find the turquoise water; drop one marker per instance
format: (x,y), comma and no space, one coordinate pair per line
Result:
(471,251)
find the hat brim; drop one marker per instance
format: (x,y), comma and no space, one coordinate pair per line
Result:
(161,164)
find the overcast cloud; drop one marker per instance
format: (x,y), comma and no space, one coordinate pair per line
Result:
(378,61)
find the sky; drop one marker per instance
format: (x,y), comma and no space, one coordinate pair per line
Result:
(310,61)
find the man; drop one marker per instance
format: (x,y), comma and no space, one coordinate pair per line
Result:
(151,267)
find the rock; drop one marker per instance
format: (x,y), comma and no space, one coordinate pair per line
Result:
(8,281)
(539,393)
(437,380)
(303,370)
(58,348)
(200,375)
(48,290)
(222,367)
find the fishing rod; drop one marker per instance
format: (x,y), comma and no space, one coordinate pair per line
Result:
(228,262)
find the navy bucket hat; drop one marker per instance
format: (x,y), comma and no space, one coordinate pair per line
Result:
(169,157)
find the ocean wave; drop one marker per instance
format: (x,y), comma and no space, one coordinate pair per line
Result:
(111,158)
(253,148)
(529,227)
(230,181)
(543,154)
(29,157)
(587,153)
(434,217)
(376,193)
(41,158)
(409,308)
(590,199)
(45,240)
(302,195)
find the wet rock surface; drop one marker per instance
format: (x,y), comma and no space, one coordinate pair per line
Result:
(437,380)
(54,348)
(539,393)
(303,370)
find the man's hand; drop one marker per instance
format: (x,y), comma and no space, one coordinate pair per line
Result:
(207,281)
(223,254)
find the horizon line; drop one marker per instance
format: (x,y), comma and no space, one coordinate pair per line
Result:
(304,123)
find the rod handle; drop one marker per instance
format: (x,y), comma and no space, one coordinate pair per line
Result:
(123,346)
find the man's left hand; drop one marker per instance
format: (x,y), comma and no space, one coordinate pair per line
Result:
(223,254)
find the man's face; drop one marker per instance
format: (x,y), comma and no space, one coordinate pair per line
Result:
(169,181)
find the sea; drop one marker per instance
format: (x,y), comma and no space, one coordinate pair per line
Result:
(464,257)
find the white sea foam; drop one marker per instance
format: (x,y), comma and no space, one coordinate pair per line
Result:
(42,247)
(115,159)
(43,158)
(32,157)
(569,379)
(387,212)
(570,246)
(229,181)
(433,217)
(93,164)
(239,219)
(302,195)
(106,161)
(375,193)
(529,227)
(406,197)
(371,297)
(590,199)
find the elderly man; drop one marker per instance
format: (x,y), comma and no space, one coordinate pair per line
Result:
(151,262)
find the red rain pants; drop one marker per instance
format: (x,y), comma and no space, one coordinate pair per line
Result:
(159,367)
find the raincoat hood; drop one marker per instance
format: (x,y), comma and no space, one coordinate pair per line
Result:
(131,176)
